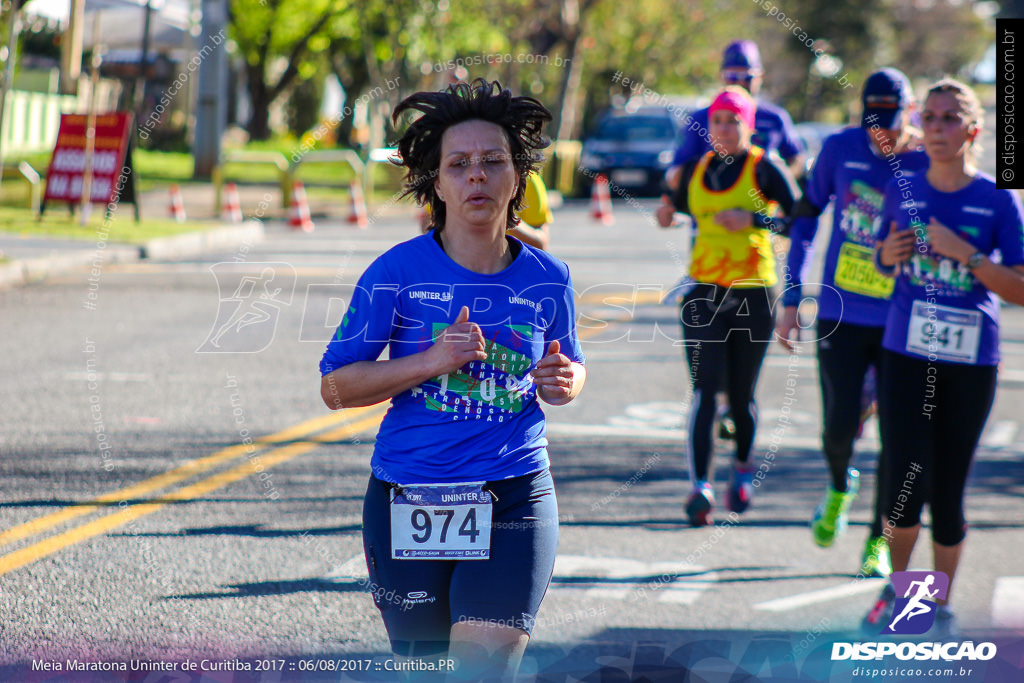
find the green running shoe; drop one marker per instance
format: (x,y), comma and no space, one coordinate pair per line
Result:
(830,517)
(876,560)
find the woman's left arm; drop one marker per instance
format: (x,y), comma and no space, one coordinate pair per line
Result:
(1006,281)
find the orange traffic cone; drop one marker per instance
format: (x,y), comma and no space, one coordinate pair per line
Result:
(601,201)
(232,209)
(299,218)
(176,209)
(357,206)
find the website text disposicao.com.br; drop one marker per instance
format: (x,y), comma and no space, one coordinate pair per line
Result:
(954,659)
(500,58)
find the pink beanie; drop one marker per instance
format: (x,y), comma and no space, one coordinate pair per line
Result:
(737,100)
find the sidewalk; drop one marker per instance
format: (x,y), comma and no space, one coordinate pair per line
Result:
(35,258)
(264,202)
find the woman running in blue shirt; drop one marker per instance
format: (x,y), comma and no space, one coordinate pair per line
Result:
(851,172)
(941,345)
(460,520)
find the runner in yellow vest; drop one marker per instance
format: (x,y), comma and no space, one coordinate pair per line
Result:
(723,255)
(535,216)
(733,195)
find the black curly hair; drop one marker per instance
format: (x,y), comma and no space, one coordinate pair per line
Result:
(419,149)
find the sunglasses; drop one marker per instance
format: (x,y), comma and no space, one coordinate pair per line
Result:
(736,77)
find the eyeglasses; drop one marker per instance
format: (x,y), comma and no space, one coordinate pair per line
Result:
(737,77)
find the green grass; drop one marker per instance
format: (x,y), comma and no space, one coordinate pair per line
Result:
(57,222)
(158,170)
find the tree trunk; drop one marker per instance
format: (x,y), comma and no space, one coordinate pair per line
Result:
(568,119)
(572,32)
(353,85)
(259,94)
(374,71)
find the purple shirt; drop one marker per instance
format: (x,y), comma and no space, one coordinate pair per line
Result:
(849,173)
(940,312)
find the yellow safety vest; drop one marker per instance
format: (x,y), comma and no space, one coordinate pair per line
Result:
(535,211)
(742,259)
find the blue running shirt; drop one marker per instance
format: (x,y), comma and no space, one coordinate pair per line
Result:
(850,174)
(482,423)
(939,310)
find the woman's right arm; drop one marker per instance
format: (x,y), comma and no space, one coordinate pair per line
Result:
(679,199)
(681,195)
(365,383)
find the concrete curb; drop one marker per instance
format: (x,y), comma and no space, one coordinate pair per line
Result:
(193,243)
(28,271)
(20,272)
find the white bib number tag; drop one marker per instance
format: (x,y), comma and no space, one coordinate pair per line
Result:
(441,522)
(951,334)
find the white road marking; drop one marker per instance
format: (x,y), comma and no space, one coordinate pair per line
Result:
(565,430)
(997,446)
(1011,376)
(1008,602)
(1000,434)
(635,431)
(620,578)
(352,569)
(848,589)
(659,414)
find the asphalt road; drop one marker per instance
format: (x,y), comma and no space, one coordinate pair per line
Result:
(173,489)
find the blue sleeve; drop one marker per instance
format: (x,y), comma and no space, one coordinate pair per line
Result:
(563,326)
(801,237)
(820,189)
(694,144)
(368,322)
(822,185)
(890,204)
(1010,231)
(790,145)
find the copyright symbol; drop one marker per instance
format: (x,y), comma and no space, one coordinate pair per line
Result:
(1008,174)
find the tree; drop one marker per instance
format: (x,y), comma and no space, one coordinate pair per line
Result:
(382,50)
(924,40)
(938,40)
(391,48)
(282,42)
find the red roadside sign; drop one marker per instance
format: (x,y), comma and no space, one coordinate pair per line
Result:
(110,156)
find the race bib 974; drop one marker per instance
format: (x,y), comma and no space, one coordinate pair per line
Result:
(441,522)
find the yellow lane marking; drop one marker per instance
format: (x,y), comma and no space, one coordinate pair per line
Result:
(189,469)
(584,332)
(48,546)
(637,296)
(292,434)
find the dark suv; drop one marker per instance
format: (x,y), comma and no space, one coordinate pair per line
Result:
(632,149)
